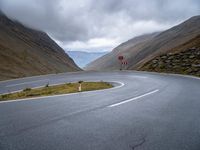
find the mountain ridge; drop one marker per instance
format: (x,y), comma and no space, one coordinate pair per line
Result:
(110,61)
(144,51)
(27,52)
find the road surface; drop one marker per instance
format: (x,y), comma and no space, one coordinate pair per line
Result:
(144,111)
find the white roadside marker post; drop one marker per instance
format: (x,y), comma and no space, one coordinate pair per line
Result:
(79,88)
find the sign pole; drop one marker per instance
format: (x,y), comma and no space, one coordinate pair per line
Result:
(120,58)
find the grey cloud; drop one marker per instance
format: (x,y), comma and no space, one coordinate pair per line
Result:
(48,16)
(159,10)
(82,20)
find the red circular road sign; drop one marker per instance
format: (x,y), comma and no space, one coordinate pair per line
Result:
(121,57)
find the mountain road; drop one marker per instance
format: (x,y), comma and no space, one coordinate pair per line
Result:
(143,111)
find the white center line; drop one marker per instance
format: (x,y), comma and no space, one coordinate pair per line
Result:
(134,98)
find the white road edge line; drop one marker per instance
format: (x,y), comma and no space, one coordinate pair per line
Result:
(116,87)
(43,97)
(134,98)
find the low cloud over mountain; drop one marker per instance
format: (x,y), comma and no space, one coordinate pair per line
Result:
(95,25)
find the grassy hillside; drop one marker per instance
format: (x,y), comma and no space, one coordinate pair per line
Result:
(27,52)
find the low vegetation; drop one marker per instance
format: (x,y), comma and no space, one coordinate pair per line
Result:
(186,62)
(56,89)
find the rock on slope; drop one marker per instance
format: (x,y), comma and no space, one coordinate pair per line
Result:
(155,45)
(27,52)
(185,59)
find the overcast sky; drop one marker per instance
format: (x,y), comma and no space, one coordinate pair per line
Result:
(99,25)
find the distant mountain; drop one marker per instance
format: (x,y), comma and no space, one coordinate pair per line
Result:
(83,58)
(127,49)
(27,52)
(153,45)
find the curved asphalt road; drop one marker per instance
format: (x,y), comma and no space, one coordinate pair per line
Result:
(145,112)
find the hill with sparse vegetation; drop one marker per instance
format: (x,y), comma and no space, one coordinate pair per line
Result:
(28,52)
(175,50)
(185,59)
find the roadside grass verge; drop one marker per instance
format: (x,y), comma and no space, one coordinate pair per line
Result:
(56,90)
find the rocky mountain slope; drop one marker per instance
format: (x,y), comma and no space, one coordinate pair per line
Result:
(27,52)
(185,59)
(155,45)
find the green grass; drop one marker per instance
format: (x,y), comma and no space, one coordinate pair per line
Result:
(55,90)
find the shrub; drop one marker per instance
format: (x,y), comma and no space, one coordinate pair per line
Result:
(80,82)
(47,85)
(4,96)
(27,89)
(69,84)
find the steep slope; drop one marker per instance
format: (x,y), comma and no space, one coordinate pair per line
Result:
(159,44)
(168,40)
(184,59)
(27,52)
(83,58)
